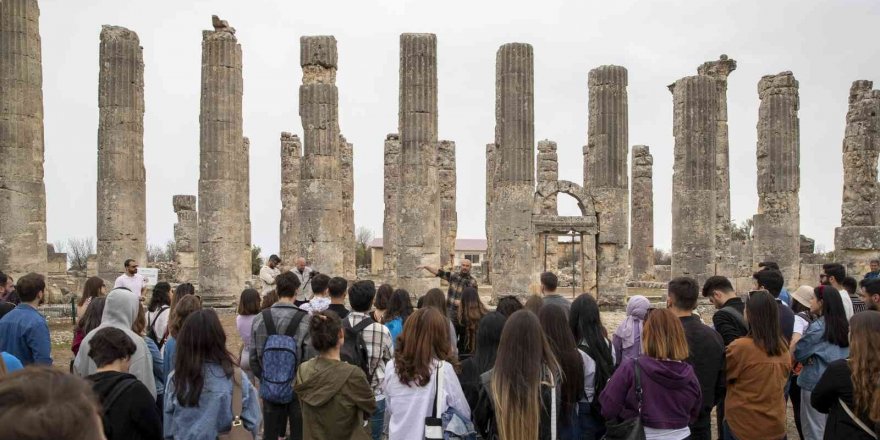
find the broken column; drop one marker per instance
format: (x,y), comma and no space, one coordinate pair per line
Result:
(777,223)
(223,198)
(347,176)
(448,214)
(512,237)
(321,224)
(291,155)
(389,225)
(857,240)
(22,192)
(491,169)
(695,127)
(642,232)
(122,189)
(605,177)
(186,238)
(418,215)
(548,172)
(720,70)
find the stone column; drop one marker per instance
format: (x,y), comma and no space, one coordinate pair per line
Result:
(418,215)
(548,172)
(291,155)
(320,210)
(491,170)
(22,192)
(122,189)
(511,210)
(605,177)
(720,70)
(695,127)
(246,169)
(223,198)
(642,250)
(777,223)
(858,237)
(448,214)
(186,238)
(347,176)
(392,207)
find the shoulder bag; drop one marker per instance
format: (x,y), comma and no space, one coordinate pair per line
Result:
(630,429)
(433,423)
(238,431)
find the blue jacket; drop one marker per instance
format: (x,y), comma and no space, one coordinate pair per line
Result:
(158,366)
(395,326)
(24,334)
(168,361)
(816,353)
(213,415)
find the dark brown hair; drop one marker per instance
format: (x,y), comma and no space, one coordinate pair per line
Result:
(324,329)
(140,321)
(435,298)
(383,294)
(202,340)
(399,306)
(534,304)
(763,316)
(186,306)
(270,298)
(470,312)
(182,290)
(29,286)
(110,344)
(92,289)
(91,318)
(663,336)
(424,338)
(508,305)
(249,302)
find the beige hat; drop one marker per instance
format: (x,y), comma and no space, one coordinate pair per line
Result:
(803,295)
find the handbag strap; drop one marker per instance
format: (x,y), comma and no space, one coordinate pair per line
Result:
(438,391)
(638,377)
(553,415)
(856,419)
(237,404)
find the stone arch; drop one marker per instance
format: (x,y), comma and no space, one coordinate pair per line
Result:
(582,196)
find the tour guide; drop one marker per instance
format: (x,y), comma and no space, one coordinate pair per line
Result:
(457,281)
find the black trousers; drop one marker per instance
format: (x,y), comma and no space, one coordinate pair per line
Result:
(277,417)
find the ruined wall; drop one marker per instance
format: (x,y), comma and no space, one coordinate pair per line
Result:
(548,171)
(22,192)
(391,197)
(642,250)
(291,156)
(122,188)
(186,238)
(777,223)
(448,215)
(346,173)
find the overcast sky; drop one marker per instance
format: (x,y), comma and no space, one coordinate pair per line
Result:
(826,44)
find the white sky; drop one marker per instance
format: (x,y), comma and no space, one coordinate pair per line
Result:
(826,44)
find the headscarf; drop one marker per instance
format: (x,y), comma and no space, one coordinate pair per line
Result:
(636,310)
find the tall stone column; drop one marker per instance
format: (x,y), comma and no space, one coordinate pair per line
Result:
(511,210)
(391,197)
(605,177)
(22,192)
(246,169)
(491,170)
(548,172)
(346,150)
(223,198)
(320,210)
(857,239)
(642,250)
(448,214)
(695,127)
(186,238)
(291,156)
(418,215)
(720,70)
(777,223)
(122,188)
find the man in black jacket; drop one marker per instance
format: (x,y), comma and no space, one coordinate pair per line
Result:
(706,351)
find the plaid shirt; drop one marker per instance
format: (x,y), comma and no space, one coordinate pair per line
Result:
(457,282)
(282,314)
(378,340)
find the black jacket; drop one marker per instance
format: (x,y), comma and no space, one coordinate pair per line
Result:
(133,415)
(729,325)
(469,378)
(706,354)
(786,320)
(484,412)
(836,383)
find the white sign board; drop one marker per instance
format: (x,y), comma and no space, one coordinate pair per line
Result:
(151,274)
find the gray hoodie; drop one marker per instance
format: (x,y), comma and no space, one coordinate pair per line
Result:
(120,311)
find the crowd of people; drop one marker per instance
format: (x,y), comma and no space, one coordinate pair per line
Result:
(357,361)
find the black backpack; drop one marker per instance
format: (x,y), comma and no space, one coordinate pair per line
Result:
(119,389)
(151,329)
(354,349)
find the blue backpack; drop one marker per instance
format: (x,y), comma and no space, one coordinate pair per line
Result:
(279,360)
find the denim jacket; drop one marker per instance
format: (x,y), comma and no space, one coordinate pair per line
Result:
(816,353)
(213,415)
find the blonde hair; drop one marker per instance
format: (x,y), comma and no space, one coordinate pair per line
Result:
(663,336)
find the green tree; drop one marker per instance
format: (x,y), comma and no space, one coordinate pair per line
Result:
(256,260)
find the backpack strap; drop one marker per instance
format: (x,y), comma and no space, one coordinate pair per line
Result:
(737,315)
(270,323)
(117,392)
(856,419)
(366,322)
(294,323)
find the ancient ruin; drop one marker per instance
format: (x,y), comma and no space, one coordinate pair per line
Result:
(186,238)
(291,156)
(448,215)
(389,225)
(122,188)
(548,173)
(346,172)
(777,223)
(642,239)
(22,192)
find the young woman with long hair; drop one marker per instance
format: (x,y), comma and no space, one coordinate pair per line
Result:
(758,367)
(488,338)
(182,290)
(198,397)
(93,288)
(468,315)
(437,299)
(88,321)
(571,361)
(670,389)
(248,308)
(800,305)
(825,341)
(158,312)
(139,326)
(380,303)
(852,383)
(399,309)
(516,397)
(184,307)
(534,304)
(508,305)
(592,341)
(410,382)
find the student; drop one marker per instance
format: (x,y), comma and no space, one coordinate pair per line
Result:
(270,298)
(182,290)
(158,313)
(825,341)
(248,309)
(337,288)
(534,304)
(140,324)
(671,392)
(488,338)
(399,309)
(592,340)
(627,339)
(758,367)
(571,362)
(800,305)
(335,395)
(320,300)
(185,307)
(784,296)
(508,305)
(772,281)
(870,293)
(377,339)
(380,304)
(549,283)
(516,398)
(847,388)
(93,288)
(852,289)
(89,321)
(467,320)
(833,275)
(130,411)
(24,333)
(46,403)
(437,299)
(423,352)
(199,393)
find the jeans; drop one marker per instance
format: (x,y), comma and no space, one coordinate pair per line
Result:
(590,426)
(377,420)
(812,421)
(276,418)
